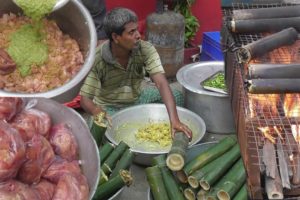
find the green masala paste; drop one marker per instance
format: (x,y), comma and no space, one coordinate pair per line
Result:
(26,45)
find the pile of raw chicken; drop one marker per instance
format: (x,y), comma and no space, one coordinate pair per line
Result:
(38,159)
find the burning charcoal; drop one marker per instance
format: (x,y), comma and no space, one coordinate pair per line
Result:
(263,25)
(267,13)
(273,71)
(273,86)
(7,65)
(269,159)
(12,151)
(9,107)
(266,44)
(283,166)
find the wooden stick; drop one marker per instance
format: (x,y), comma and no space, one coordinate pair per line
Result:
(296,170)
(273,186)
(269,159)
(283,167)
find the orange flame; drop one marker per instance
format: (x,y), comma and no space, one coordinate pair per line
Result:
(263,105)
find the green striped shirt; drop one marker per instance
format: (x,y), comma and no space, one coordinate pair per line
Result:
(109,84)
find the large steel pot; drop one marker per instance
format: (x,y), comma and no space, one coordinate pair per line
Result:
(213,107)
(88,151)
(75,20)
(127,121)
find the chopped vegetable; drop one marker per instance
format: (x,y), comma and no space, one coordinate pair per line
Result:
(217,81)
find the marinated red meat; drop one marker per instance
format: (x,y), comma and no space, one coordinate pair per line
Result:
(64,142)
(7,65)
(45,189)
(32,121)
(12,151)
(73,187)
(60,167)
(6,195)
(23,190)
(9,106)
(39,156)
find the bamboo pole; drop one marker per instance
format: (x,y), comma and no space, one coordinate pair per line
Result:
(124,163)
(189,193)
(105,150)
(283,167)
(98,128)
(176,157)
(155,180)
(242,194)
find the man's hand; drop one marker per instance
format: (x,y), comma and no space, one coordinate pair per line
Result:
(180,127)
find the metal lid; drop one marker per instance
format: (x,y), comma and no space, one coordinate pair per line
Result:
(191,76)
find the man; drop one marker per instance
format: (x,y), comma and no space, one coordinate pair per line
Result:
(115,80)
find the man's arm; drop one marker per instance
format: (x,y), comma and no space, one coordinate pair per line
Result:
(164,89)
(89,106)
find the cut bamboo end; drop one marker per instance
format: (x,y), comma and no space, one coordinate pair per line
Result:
(201,195)
(181,176)
(189,194)
(175,162)
(126,176)
(193,182)
(223,195)
(204,184)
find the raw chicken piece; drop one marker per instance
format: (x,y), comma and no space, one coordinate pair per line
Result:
(9,107)
(32,121)
(12,151)
(45,189)
(64,142)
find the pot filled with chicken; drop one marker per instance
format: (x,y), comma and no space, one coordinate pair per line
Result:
(45,57)
(46,151)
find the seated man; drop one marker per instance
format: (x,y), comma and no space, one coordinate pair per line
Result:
(115,81)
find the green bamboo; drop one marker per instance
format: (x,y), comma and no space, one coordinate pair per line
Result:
(189,193)
(212,194)
(124,163)
(98,128)
(231,182)
(113,158)
(105,150)
(201,195)
(172,187)
(242,194)
(196,176)
(159,160)
(103,178)
(220,166)
(109,188)
(176,156)
(209,154)
(155,180)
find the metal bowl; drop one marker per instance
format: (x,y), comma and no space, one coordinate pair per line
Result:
(126,123)
(192,152)
(88,151)
(73,19)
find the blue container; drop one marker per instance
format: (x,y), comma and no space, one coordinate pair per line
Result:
(211,47)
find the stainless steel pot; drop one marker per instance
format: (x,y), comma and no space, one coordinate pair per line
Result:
(127,121)
(88,151)
(75,20)
(213,107)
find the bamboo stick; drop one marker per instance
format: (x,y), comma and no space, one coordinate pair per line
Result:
(220,166)
(271,86)
(113,158)
(113,185)
(155,180)
(103,178)
(105,150)
(273,186)
(196,176)
(189,193)
(209,154)
(283,167)
(273,71)
(98,128)
(176,157)
(242,194)
(201,195)
(269,158)
(267,13)
(266,44)
(124,163)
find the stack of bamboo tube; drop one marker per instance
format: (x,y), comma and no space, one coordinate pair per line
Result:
(114,174)
(215,173)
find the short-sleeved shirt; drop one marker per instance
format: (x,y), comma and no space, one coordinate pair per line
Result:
(109,84)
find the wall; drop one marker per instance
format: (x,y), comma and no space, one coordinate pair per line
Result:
(208,12)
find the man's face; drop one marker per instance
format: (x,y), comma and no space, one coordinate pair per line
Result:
(130,36)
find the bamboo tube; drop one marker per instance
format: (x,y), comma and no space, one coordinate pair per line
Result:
(263,25)
(266,44)
(220,166)
(113,158)
(242,194)
(209,155)
(176,157)
(105,150)
(196,176)
(272,86)
(267,13)
(123,164)
(212,194)
(98,128)
(232,181)
(273,71)
(113,185)
(155,180)
(103,178)
(159,161)
(189,193)
(283,166)
(201,195)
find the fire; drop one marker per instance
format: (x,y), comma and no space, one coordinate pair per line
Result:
(264,105)
(267,133)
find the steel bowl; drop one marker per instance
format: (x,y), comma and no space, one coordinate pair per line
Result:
(126,123)
(75,20)
(192,152)
(88,151)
